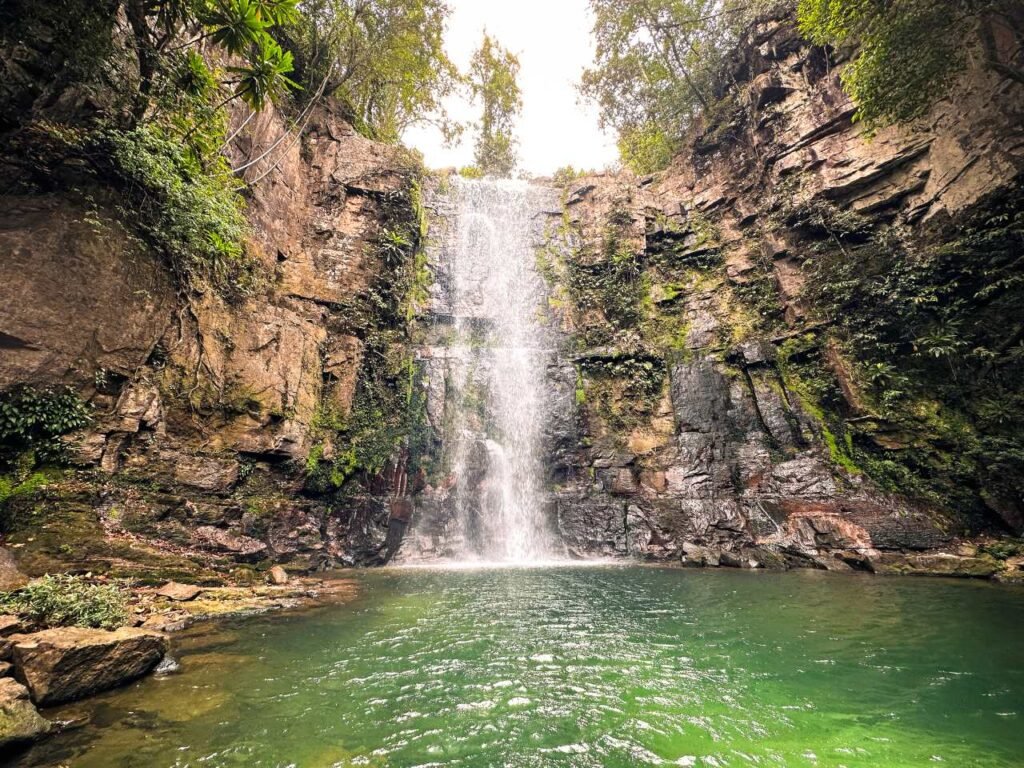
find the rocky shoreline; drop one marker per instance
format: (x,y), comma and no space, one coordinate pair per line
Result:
(46,667)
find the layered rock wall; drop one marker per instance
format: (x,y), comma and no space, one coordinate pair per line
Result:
(205,408)
(721,414)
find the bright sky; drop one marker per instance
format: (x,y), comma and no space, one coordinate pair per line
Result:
(552,40)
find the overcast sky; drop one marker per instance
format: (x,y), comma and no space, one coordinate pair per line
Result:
(552,40)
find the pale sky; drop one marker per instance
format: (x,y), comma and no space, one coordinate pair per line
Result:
(552,40)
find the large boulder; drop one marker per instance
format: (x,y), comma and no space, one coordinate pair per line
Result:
(19,721)
(70,663)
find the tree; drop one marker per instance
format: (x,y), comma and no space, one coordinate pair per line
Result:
(169,36)
(384,59)
(493,74)
(657,66)
(907,53)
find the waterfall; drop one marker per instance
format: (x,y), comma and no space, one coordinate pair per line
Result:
(486,376)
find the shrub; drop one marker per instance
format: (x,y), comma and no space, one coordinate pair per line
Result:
(33,420)
(69,601)
(189,209)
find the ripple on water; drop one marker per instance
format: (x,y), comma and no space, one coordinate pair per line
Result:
(588,667)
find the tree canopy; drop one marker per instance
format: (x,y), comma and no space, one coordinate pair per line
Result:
(907,54)
(656,67)
(384,59)
(493,82)
(171,36)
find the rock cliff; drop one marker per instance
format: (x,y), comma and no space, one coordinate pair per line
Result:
(206,409)
(800,345)
(755,380)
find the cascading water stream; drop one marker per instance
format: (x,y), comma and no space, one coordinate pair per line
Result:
(495,352)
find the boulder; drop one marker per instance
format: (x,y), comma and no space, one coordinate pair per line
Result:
(172,590)
(69,663)
(278,575)
(19,721)
(11,576)
(896,563)
(10,625)
(243,547)
(697,556)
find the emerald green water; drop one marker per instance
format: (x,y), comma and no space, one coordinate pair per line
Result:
(599,666)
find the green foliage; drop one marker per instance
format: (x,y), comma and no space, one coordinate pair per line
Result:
(33,420)
(645,148)
(471,172)
(908,53)
(241,29)
(492,80)
(69,601)
(567,174)
(936,336)
(188,209)
(658,65)
(385,59)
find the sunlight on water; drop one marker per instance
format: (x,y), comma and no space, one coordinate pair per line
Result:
(589,667)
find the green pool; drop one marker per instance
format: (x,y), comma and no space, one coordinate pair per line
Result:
(594,666)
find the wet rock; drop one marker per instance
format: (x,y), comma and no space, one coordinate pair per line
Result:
(70,663)
(20,723)
(168,666)
(277,575)
(172,590)
(896,563)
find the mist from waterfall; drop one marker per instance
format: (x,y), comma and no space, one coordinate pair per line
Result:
(492,301)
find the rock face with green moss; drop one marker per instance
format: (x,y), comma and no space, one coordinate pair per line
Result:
(799,343)
(206,416)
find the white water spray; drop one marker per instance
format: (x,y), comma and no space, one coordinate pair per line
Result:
(491,300)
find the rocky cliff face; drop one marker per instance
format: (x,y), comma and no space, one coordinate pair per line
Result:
(732,405)
(800,345)
(207,409)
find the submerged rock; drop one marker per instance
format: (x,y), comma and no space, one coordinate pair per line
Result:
(19,721)
(69,663)
(896,563)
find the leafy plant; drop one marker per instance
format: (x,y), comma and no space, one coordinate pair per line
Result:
(493,73)
(32,422)
(69,601)
(190,209)
(907,54)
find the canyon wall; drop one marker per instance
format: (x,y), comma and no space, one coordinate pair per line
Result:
(735,402)
(207,409)
(798,346)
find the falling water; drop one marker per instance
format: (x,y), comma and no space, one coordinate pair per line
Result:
(492,298)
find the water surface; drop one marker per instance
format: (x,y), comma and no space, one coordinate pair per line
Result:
(608,666)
